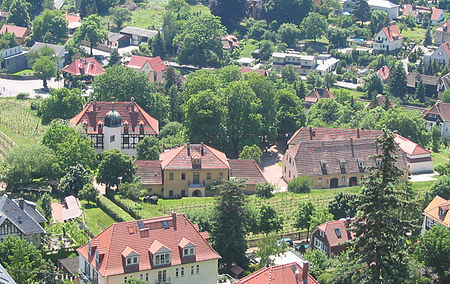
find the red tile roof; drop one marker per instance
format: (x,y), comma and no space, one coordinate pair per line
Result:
(319,93)
(229,41)
(409,147)
(318,133)
(155,62)
(131,113)
(392,33)
(420,10)
(247,170)
(248,69)
(383,72)
(149,171)
(181,157)
(446,47)
(278,274)
(441,109)
(329,228)
(444,26)
(436,13)
(17,31)
(127,237)
(432,210)
(73,19)
(85,66)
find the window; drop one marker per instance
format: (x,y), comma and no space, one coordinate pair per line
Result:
(176,273)
(192,270)
(221,175)
(132,260)
(343,179)
(322,234)
(162,258)
(183,193)
(182,271)
(323,166)
(125,279)
(141,277)
(189,251)
(429,224)
(183,176)
(208,175)
(197,269)
(319,245)
(146,277)
(112,138)
(170,193)
(338,233)
(171,176)
(162,276)
(141,129)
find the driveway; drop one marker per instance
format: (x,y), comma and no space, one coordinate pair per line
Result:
(10,88)
(423,177)
(272,170)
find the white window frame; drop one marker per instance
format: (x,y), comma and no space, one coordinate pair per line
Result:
(132,260)
(162,258)
(188,251)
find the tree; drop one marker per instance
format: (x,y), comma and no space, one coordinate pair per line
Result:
(265,190)
(24,163)
(228,230)
(158,48)
(441,187)
(290,113)
(176,100)
(50,27)
(428,40)
(173,135)
(397,80)
(435,138)
(119,16)
(89,193)
(287,11)
(303,216)
(19,13)
(231,12)
(269,220)
(314,26)
(373,85)
(420,91)
(300,184)
(320,216)
(87,8)
(325,111)
(435,242)
(200,42)
(329,80)
(361,11)
(342,205)
(148,149)
(337,37)
(300,89)
(251,153)
(92,30)
(115,168)
(378,20)
(445,96)
(44,68)
(288,74)
(74,180)
(44,205)
(289,33)
(61,104)
(268,248)
(134,281)
(114,58)
(131,190)
(170,28)
(265,49)
(380,233)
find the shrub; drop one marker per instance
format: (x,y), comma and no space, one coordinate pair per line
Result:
(22,96)
(128,206)
(131,190)
(265,190)
(112,209)
(300,184)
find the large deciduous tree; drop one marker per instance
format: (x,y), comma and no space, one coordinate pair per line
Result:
(74,180)
(44,68)
(289,33)
(314,26)
(303,215)
(18,13)
(61,104)
(50,27)
(287,11)
(148,149)
(290,113)
(115,168)
(120,16)
(251,152)
(92,30)
(231,12)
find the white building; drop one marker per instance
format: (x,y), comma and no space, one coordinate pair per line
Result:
(418,159)
(390,8)
(440,55)
(388,40)
(326,65)
(439,115)
(300,62)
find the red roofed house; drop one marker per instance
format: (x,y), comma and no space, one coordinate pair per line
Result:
(73,22)
(229,42)
(418,158)
(20,32)
(388,40)
(439,115)
(436,213)
(442,33)
(153,67)
(332,237)
(290,273)
(69,210)
(160,250)
(116,125)
(422,14)
(84,67)
(440,55)
(317,94)
(189,170)
(383,72)
(245,70)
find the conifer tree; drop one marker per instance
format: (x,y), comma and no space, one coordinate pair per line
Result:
(420,91)
(379,250)
(158,48)
(397,80)
(427,40)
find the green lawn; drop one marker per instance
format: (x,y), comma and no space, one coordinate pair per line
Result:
(356,94)
(248,47)
(24,72)
(417,35)
(442,157)
(96,219)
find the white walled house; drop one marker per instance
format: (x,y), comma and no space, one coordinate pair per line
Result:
(301,63)
(383,5)
(153,67)
(442,33)
(388,40)
(439,115)
(436,213)
(418,159)
(440,55)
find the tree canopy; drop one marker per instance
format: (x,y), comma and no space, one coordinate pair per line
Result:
(115,168)
(92,30)
(61,104)
(50,27)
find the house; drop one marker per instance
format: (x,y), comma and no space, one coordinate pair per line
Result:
(73,22)
(418,159)
(14,58)
(439,115)
(20,32)
(332,237)
(58,4)
(431,83)
(326,65)
(88,67)
(388,40)
(69,268)
(230,42)
(290,273)
(60,53)
(442,33)
(333,157)
(381,101)
(316,94)
(383,72)
(440,55)
(383,5)
(116,125)
(191,169)
(436,213)
(20,217)
(116,40)
(138,35)
(168,249)
(445,83)
(5,278)
(69,210)
(424,15)
(153,67)
(245,70)
(302,64)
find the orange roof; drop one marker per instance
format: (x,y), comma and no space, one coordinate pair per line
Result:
(138,62)
(383,72)
(432,211)
(247,170)
(16,30)
(180,157)
(279,274)
(184,242)
(85,66)
(156,246)
(392,33)
(142,236)
(127,251)
(409,147)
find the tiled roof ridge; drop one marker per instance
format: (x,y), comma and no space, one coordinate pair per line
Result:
(214,152)
(165,163)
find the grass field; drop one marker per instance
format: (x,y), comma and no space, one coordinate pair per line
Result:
(356,94)
(417,35)
(96,219)
(442,157)
(24,72)
(248,47)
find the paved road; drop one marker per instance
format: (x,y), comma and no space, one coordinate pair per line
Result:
(272,170)
(10,88)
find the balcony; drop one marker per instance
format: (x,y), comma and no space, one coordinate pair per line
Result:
(196,189)
(163,281)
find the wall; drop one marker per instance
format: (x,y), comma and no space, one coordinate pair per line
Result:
(108,133)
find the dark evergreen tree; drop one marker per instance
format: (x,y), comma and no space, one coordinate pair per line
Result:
(379,250)
(157,44)
(428,39)
(176,100)
(342,205)
(300,89)
(229,221)
(397,80)
(87,7)
(231,12)
(420,91)
(114,58)
(361,11)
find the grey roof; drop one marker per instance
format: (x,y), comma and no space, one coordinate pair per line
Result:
(70,264)
(58,49)
(11,211)
(5,278)
(30,209)
(58,4)
(115,36)
(138,31)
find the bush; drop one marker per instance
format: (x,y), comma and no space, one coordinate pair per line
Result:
(300,184)
(112,209)
(22,96)
(128,206)
(131,190)
(265,190)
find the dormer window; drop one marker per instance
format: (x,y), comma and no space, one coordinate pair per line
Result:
(130,256)
(132,260)
(342,166)
(323,167)
(187,247)
(338,233)
(161,255)
(189,251)
(161,259)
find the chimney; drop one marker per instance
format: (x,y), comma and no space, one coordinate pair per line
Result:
(305,271)
(188,147)
(351,145)
(409,137)
(203,148)
(174,218)
(94,103)
(357,133)
(20,202)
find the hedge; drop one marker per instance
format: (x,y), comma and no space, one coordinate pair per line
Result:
(127,205)
(113,210)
